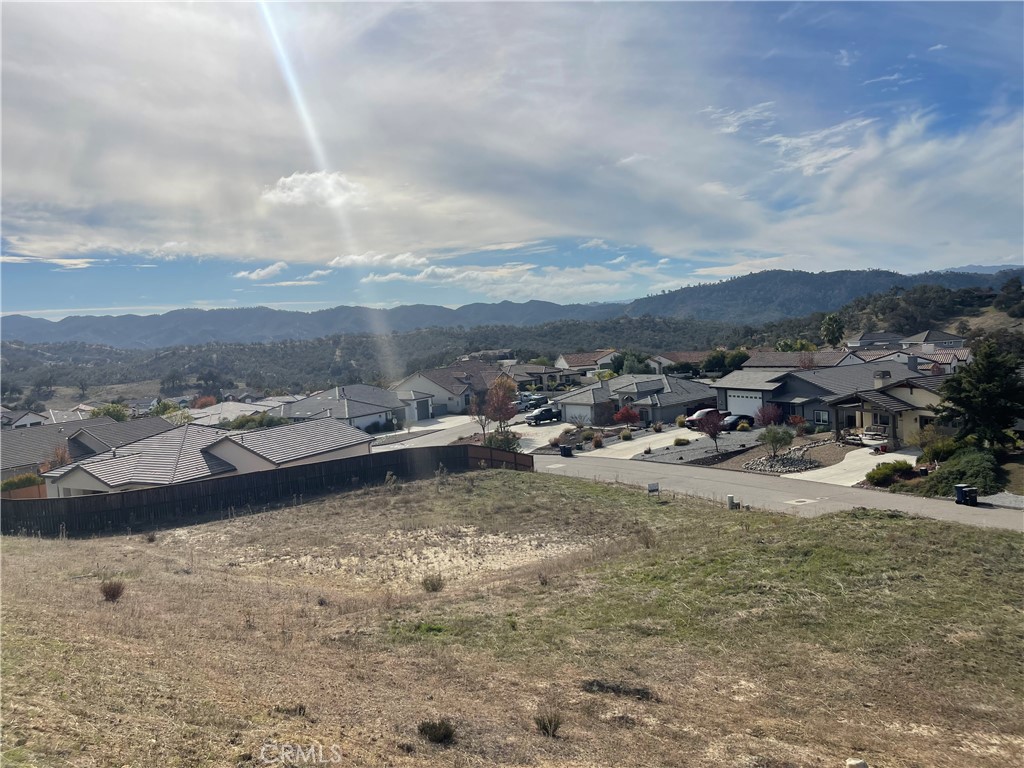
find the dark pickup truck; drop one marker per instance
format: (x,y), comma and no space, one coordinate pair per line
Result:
(546,413)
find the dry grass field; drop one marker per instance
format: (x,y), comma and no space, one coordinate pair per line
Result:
(662,632)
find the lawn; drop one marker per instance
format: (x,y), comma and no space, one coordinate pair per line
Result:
(660,631)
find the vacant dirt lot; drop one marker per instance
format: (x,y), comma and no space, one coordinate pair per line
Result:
(715,638)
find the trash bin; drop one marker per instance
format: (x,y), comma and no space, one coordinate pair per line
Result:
(565,450)
(923,471)
(971,496)
(960,496)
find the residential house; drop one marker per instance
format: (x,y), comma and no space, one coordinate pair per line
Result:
(223,412)
(490,355)
(193,452)
(665,360)
(141,406)
(872,339)
(361,405)
(587,363)
(62,417)
(240,396)
(22,419)
(527,375)
(656,397)
(899,409)
(29,450)
(791,361)
(452,387)
(936,339)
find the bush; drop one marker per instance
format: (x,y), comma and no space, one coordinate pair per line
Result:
(972,466)
(941,449)
(548,721)
(743,427)
(433,582)
(21,481)
(822,429)
(555,441)
(681,420)
(112,589)
(588,434)
(598,441)
(625,435)
(438,731)
(883,475)
(568,429)
(658,426)
(680,441)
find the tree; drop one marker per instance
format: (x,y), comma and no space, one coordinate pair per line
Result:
(775,439)
(986,396)
(116,411)
(203,401)
(767,415)
(478,410)
(711,425)
(542,360)
(626,415)
(501,409)
(734,360)
(634,362)
(714,362)
(83,387)
(832,330)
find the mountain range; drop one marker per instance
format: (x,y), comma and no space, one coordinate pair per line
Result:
(748,300)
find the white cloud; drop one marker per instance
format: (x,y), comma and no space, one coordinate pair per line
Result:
(938,47)
(636,157)
(596,242)
(618,260)
(317,273)
(327,190)
(62,263)
(882,79)
(371,259)
(292,283)
(816,151)
(731,121)
(262,274)
(846,58)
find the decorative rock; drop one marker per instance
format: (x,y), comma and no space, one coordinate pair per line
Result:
(853,762)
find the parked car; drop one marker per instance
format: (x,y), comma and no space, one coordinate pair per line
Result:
(522,406)
(691,421)
(537,400)
(546,413)
(729,423)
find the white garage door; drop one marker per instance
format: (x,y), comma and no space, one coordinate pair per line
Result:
(746,403)
(570,412)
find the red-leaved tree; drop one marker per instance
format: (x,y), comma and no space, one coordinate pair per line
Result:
(711,425)
(626,415)
(768,414)
(500,408)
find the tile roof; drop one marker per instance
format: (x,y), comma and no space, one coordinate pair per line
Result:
(212,415)
(462,377)
(931,383)
(931,336)
(346,402)
(695,357)
(763,381)
(291,442)
(652,389)
(770,358)
(35,445)
(846,379)
(100,436)
(886,401)
(61,417)
(576,359)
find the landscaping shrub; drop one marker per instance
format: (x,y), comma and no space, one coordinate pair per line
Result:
(972,466)
(625,435)
(588,434)
(433,582)
(883,475)
(822,429)
(21,481)
(681,420)
(438,731)
(941,449)
(112,589)
(568,429)
(151,537)
(555,441)
(743,427)
(598,441)
(680,441)
(658,426)
(548,721)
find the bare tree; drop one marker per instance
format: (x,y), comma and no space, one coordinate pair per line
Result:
(478,410)
(768,414)
(711,425)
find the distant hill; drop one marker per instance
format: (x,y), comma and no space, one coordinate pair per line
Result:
(749,300)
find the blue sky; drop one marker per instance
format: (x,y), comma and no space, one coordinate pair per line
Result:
(308,155)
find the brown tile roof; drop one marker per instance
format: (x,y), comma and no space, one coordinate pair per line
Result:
(574,359)
(770,358)
(694,357)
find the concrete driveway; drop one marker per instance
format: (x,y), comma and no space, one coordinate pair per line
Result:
(854,466)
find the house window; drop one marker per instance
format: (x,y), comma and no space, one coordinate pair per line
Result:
(880,419)
(926,421)
(821,417)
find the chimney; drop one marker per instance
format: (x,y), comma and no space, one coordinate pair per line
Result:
(882,378)
(912,363)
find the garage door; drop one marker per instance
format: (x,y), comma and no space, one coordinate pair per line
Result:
(571,412)
(742,402)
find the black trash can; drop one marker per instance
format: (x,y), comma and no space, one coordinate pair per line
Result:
(971,496)
(923,471)
(960,496)
(565,450)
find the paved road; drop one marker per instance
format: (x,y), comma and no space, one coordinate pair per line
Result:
(780,494)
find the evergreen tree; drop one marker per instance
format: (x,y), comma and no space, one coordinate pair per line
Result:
(986,396)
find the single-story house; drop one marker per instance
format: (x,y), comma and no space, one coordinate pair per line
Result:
(452,387)
(526,375)
(791,361)
(665,360)
(900,409)
(194,452)
(55,416)
(240,396)
(141,406)
(226,411)
(22,419)
(656,397)
(936,339)
(360,405)
(875,339)
(586,363)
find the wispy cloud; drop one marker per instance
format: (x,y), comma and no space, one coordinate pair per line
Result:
(59,262)
(636,157)
(596,242)
(317,273)
(731,121)
(816,151)
(262,274)
(882,79)
(291,283)
(617,260)
(846,58)
(371,259)
(938,47)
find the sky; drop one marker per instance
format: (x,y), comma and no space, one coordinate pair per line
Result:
(307,155)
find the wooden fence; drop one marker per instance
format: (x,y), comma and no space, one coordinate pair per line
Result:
(241,494)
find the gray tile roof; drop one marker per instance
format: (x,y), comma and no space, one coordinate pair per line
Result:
(931,336)
(650,389)
(770,358)
(460,378)
(291,442)
(846,379)
(755,379)
(35,445)
(347,402)
(174,456)
(102,436)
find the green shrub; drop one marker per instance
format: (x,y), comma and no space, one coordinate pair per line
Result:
(588,434)
(972,466)
(598,441)
(883,475)
(941,449)
(822,429)
(21,481)
(680,441)
(625,435)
